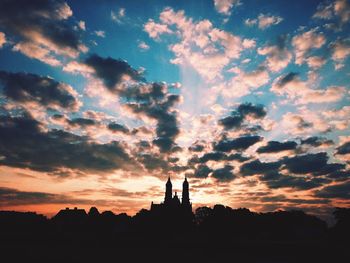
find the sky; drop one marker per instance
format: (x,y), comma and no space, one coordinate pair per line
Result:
(102,101)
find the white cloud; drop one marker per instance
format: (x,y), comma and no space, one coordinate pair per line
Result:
(36,51)
(264,21)
(82,25)
(244,82)
(299,91)
(224,6)
(324,11)
(340,49)
(205,48)
(342,9)
(118,17)
(277,57)
(75,67)
(100,33)
(154,30)
(142,45)
(306,41)
(315,62)
(2,39)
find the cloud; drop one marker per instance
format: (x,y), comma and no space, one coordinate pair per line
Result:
(211,156)
(299,91)
(324,11)
(154,29)
(26,144)
(81,25)
(343,149)
(224,174)
(143,46)
(151,100)
(278,56)
(264,21)
(201,46)
(258,167)
(341,190)
(42,26)
(116,127)
(274,146)
(244,111)
(33,50)
(119,16)
(112,71)
(202,171)
(2,39)
(277,180)
(316,141)
(224,6)
(14,197)
(305,42)
(307,163)
(315,62)
(26,88)
(240,143)
(245,82)
(342,9)
(340,50)
(100,33)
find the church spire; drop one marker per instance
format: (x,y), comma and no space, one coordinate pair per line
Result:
(185,193)
(168,191)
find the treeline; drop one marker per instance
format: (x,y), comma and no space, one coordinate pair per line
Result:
(221,221)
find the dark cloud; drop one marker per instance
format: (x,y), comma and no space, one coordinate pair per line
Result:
(249,109)
(14,197)
(343,149)
(257,167)
(237,157)
(196,147)
(316,141)
(240,143)
(25,144)
(42,22)
(339,175)
(81,122)
(10,196)
(231,122)
(277,180)
(335,191)
(237,117)
(330,168)
(287,78)
(224,174)
(153,162)
(26,88)
(307,163)
(116,127)
(112,71)
(274,146)
(212,156)
(150,99)
(202,171)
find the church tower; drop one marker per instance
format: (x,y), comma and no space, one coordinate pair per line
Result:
(168,192)
(185,194)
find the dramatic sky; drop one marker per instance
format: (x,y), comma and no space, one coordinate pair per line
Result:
(101,101)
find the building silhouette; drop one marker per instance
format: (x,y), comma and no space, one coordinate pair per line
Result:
(172,203)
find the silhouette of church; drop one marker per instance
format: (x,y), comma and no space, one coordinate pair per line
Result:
(172,203)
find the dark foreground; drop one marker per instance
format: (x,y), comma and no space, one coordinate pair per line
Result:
(220,236)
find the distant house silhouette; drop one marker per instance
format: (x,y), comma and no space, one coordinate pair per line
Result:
(172,203)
